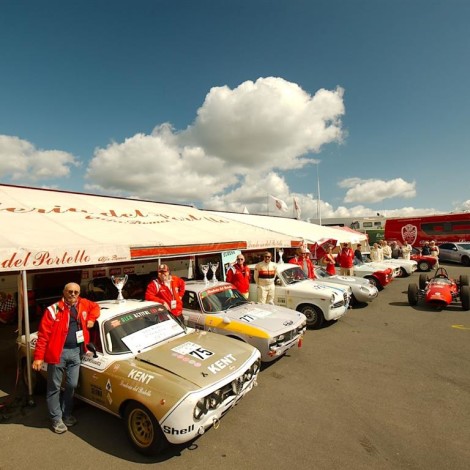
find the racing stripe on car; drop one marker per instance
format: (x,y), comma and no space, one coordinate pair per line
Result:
(235,327)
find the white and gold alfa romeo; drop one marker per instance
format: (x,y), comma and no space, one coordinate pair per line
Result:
(169,382)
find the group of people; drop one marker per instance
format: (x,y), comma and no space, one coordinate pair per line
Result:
(64,329)
(383,250)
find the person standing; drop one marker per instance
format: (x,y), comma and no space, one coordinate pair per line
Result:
(62,338)
(239,275)
(406,250)
(302,259)
(345,259)
(386,250)
(167,290)
(329,261)
(434,252)
(426,250)
(264,275)
(358,253)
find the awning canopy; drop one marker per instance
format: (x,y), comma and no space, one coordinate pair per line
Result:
(43,228)
(310,233)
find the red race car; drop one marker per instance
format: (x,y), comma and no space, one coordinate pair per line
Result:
(440,290)
(425,262)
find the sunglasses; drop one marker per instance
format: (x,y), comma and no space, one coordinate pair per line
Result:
(73,292)
(269,257)
(240,259)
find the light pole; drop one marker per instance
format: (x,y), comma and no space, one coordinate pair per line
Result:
(318,195)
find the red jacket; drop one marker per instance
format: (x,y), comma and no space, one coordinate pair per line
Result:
(159,292)
(300,262)
(345,258)
(54,327)
(239,276)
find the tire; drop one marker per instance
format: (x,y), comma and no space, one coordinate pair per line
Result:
(465,297)
(143,430)
(463,280)
(374,282)
(423,279)
(465,260)
(424,266)
(314,316)
(412,294)
(403,272)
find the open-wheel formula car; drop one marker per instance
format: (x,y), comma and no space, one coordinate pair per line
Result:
(440,291)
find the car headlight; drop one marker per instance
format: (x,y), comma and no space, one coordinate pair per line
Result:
(332,299)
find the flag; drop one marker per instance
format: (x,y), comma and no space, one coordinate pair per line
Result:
(297,208)
(279,204)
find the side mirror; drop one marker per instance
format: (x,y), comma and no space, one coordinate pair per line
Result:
(91,347)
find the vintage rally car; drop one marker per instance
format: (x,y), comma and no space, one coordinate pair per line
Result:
(169,382)
(425,262)
(402,267)
(221,308)
(377,273)
(316,300)
(363,290)
(440,290)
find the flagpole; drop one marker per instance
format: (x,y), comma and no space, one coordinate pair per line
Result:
(318,193)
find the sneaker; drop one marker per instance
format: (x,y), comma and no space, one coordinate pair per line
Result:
(70,421)
(59,427)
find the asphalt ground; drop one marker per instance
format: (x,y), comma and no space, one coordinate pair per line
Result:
(385,387)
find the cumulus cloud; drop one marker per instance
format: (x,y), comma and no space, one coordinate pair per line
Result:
(20,160)
(257,127)
(375,190)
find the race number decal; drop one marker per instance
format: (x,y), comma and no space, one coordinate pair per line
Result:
(193,350)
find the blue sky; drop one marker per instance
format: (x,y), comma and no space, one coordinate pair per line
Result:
(221,103)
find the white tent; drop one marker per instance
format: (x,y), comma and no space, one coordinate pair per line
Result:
(46,229)
(310,233)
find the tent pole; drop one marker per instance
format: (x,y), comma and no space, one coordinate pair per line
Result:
(25,309)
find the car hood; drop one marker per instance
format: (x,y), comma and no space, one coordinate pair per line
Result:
(199,357)
(272,319)
(349,280)
(318,288)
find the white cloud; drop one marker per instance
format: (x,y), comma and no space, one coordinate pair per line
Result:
(20,160)
(375,190)
(257,127)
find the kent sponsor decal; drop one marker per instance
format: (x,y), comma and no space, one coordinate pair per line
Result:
(140,376)
(221,364)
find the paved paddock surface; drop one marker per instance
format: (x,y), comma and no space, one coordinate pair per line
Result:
(386,387)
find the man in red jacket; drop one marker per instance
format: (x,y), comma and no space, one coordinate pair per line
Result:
(62,338)
(167,290)
(239,276)
(302,259)
(345,259)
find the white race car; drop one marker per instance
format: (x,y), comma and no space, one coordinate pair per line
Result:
(220,308)
(316,300)
(363,290)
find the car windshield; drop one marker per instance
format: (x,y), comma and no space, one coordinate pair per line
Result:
(321,273)
(139,329)
(219,298)
(293,275)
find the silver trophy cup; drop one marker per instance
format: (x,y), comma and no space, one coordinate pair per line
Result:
(214,267)
(205,270)
(119,282)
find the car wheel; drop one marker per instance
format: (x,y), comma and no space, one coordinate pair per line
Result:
(423,279)
(465,297)
(314,315)
(38,382)
(464,280)
(374,282)
(143,430)
(412,294)
(465,260)
(424,266)
(402,272)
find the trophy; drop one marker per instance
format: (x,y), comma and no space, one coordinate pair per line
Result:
(214,267)
(119,282)
(205,270)
(281,253)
